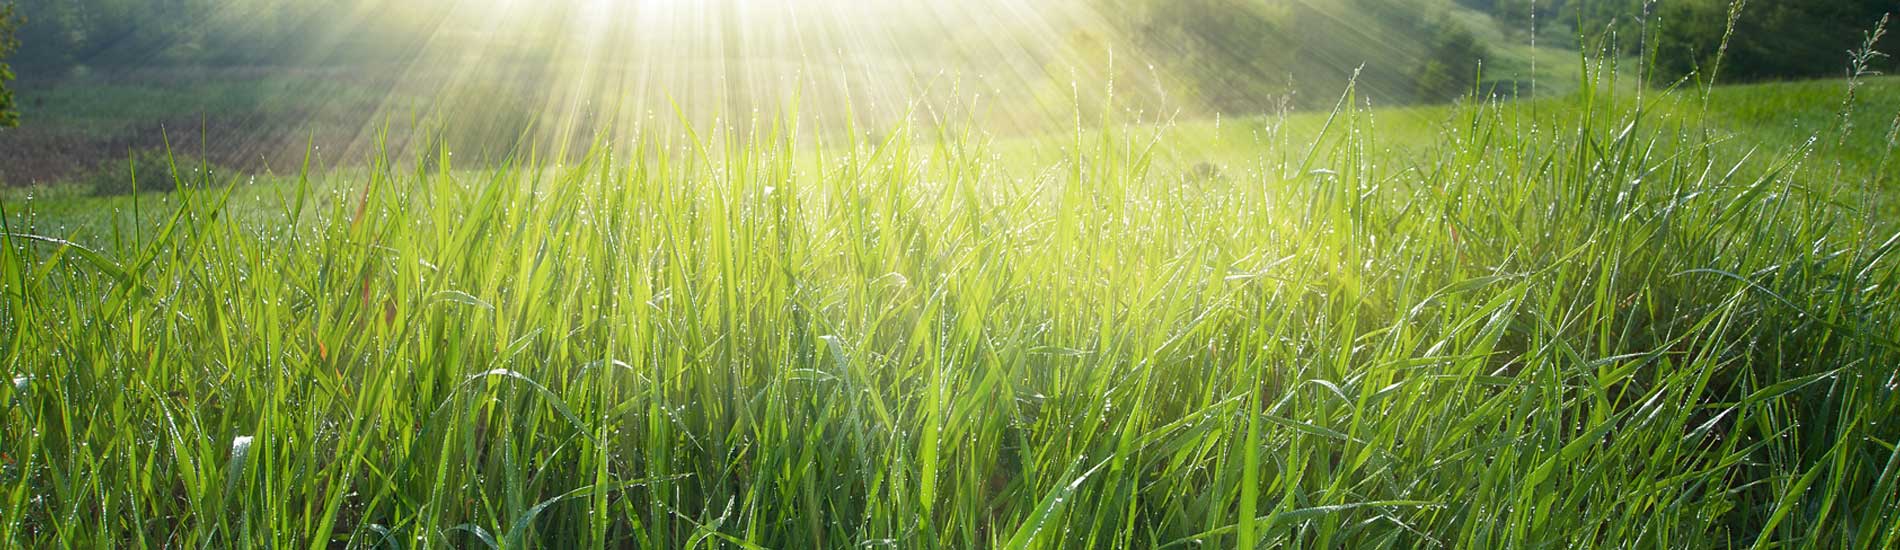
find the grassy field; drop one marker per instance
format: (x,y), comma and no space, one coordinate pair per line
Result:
(1583,321)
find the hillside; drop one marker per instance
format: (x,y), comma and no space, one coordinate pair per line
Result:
(1241,57)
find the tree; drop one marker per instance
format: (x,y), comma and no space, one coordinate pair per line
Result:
(1451,68)
(9,114)
(1511,13)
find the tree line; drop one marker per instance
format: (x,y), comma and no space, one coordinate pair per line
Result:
(1770,39)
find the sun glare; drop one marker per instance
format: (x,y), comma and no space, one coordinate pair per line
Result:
(645,62)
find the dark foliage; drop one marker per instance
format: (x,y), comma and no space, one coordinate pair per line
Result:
(150,170)
(9,23)
(1771,40)
(1242,55)
(61,35)
(1452,67)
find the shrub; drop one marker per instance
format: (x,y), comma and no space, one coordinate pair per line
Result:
(153,170)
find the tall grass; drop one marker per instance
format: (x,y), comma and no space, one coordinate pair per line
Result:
(1610,332)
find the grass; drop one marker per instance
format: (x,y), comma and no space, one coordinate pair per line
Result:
(1577,322)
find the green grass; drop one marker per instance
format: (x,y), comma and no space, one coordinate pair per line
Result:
(1578,322)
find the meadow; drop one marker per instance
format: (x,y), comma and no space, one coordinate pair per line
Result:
(1614,318)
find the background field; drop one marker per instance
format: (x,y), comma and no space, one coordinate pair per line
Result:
(253,93)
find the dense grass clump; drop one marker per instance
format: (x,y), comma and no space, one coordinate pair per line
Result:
(1588,327)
